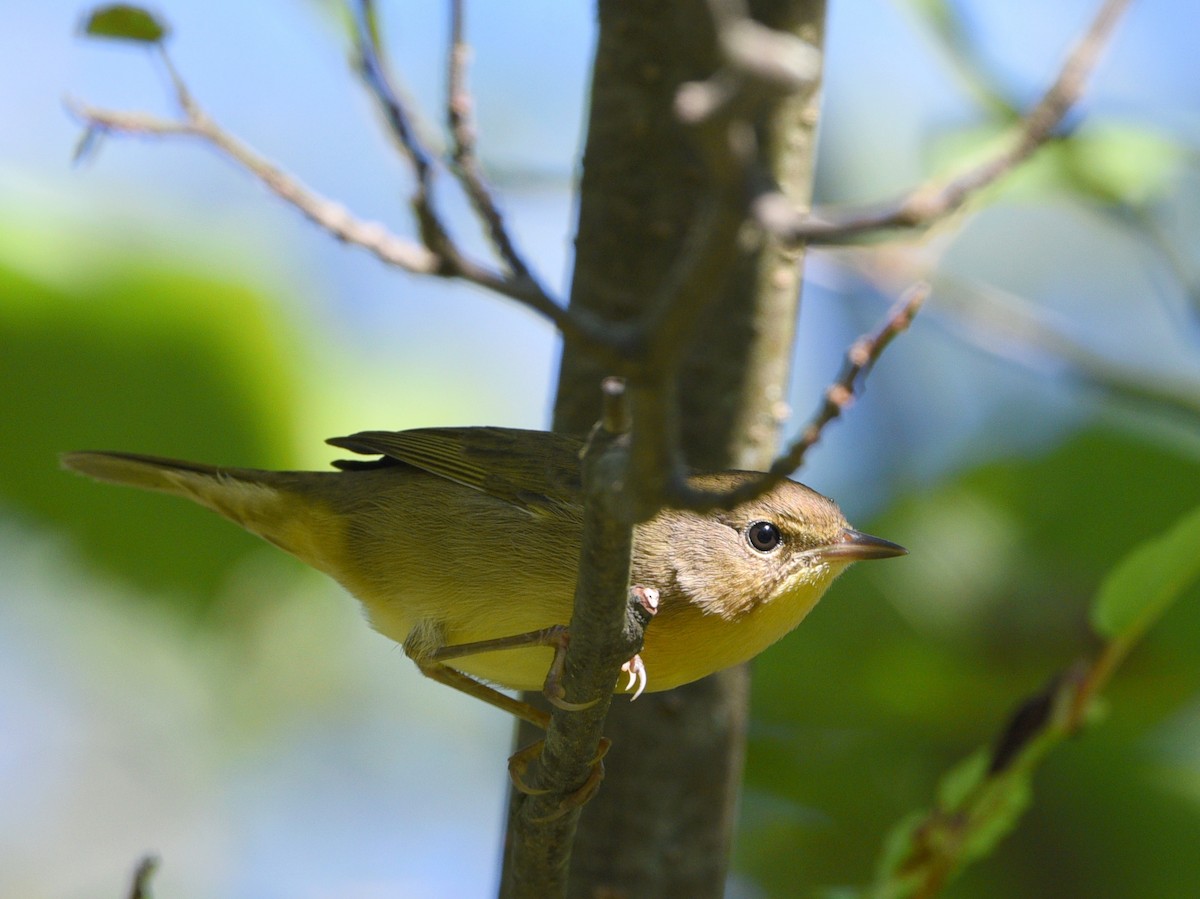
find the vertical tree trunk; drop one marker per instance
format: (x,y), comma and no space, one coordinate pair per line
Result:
(662,823)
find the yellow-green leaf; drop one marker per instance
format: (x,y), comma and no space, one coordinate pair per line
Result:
(126,22)
(1148,580)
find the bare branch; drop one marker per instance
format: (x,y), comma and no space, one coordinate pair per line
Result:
(467,168)
(329,215)
(519,282)
(938,198)
(378,78)
(440,256)
(860,359)
(776,214)
(372,65)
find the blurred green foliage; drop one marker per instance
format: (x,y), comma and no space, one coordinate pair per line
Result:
(1147,581)
(905,671)
(981,800)
(142,357)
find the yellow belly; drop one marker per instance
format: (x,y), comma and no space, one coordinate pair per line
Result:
(683,643)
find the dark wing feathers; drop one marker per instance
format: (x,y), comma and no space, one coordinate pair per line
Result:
(526,468)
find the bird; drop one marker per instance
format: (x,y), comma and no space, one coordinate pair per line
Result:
(462,545)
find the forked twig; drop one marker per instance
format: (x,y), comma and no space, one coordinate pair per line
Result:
(373,65)
(376,75)
(439,254)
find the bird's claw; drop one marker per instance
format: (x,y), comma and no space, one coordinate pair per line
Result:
(556,700)
(552,689)
(518,765)
(636,669)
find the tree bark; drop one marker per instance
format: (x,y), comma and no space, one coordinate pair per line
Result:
(662,823)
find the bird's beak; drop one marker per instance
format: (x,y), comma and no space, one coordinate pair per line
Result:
(855,546)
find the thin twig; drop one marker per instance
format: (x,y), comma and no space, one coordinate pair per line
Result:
(379,81)
(938,197)
(519,282)
(376,72)
(463,155)
(139,887)
(860,359)
(329,215)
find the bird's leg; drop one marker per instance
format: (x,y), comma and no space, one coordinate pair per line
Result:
(519,761)
(555,636)
(647,598)
(431,660)
(464,683)
(432,665)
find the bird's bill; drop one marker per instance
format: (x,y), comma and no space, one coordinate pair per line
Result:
(855,546)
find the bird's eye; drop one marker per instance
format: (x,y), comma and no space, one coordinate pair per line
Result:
(763,536)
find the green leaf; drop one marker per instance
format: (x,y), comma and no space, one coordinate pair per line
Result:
(126,22)
(1148,580)
(898,846)
(959,782)
(1122,164)
(995,816)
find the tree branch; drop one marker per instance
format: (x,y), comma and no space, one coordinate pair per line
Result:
(653,204)
(603,636)
(938,197)
(778,216)
(372,65)
(439,256)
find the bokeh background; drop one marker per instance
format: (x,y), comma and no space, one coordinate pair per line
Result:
(170,685)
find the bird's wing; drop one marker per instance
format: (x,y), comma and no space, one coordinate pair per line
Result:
(527,468)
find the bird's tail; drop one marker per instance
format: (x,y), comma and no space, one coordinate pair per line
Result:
(275,505)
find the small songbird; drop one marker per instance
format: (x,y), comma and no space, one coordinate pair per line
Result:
(457,536)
